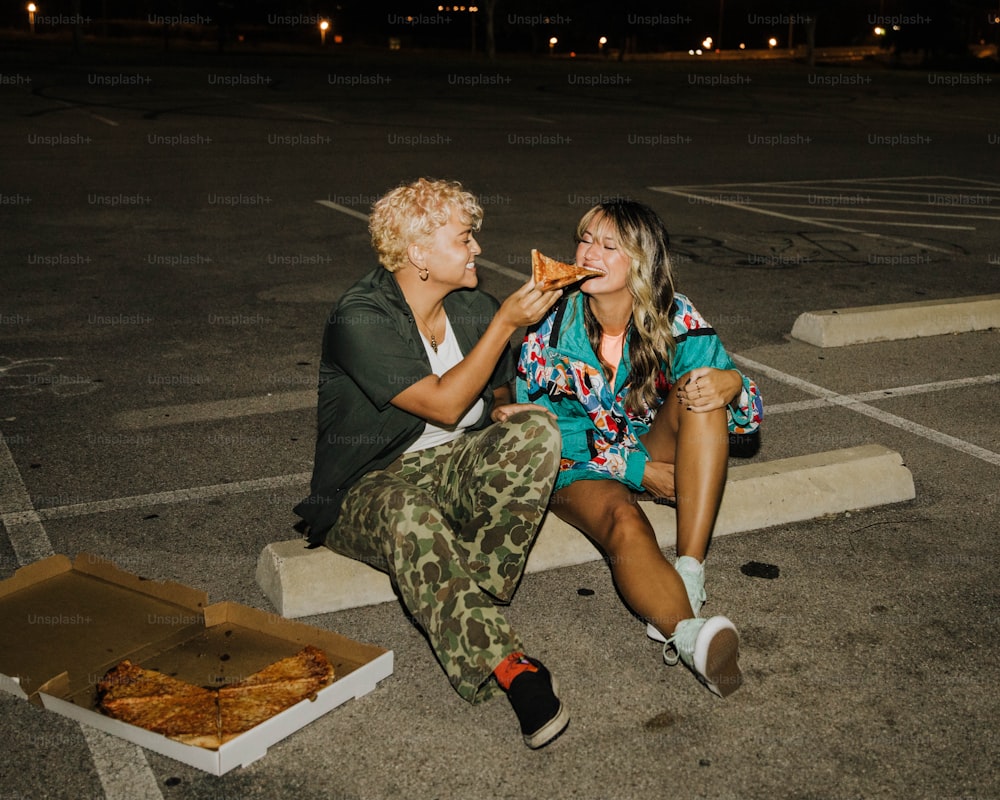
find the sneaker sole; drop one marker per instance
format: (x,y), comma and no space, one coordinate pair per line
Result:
(549,731)
(722,670)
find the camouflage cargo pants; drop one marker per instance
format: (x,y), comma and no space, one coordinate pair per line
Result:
(452,526)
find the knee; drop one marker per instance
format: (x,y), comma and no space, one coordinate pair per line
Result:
(627,530)
(534,423)
(403,514)
(408,538)
(534,431)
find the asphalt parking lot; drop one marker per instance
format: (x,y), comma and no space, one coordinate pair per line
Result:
(175,229)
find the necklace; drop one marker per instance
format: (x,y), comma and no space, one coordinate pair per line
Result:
(434,343)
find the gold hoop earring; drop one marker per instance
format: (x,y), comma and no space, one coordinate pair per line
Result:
(424,273)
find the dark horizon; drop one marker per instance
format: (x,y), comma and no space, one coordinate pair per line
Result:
(639,26)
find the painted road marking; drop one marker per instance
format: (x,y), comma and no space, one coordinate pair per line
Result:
(885,394)
(81,109)
(294,113)
(833,398)
(35,516)
(344,210)
(121,766)
(923,225)
(161,416)
(946,198)
(28,538)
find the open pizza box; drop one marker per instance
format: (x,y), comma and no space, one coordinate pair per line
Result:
(73,621)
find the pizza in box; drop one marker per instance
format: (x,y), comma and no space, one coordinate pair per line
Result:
(205,717)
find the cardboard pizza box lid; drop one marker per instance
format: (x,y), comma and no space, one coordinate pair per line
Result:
(75,620)
(84,616)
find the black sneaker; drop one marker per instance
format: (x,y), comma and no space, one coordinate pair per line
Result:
(539,710)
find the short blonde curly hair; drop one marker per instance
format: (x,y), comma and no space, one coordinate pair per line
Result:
(411,213)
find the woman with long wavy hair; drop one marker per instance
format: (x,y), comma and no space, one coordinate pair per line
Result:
(646,397)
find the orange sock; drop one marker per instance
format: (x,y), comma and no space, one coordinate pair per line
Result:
(511,667)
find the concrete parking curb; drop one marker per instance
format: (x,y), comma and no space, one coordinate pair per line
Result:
(843,326)
(300,582)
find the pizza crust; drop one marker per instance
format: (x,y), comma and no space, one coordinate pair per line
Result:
(550,274)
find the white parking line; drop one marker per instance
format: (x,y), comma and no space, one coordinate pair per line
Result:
(121,767)
(885,394)
(344,210)
(922,225)
(27,517)
(27,537)
(82,110)
(833,398)
(794,218)
(295,113)
(826,206)
(162,416)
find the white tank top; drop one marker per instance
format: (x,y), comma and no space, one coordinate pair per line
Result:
(447,356)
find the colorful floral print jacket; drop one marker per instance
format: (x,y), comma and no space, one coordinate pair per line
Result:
(559,370)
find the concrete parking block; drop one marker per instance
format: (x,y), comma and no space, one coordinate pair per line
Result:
(300,582)
(843,326)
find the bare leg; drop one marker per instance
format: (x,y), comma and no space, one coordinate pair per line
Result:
(607,512)
(697,444)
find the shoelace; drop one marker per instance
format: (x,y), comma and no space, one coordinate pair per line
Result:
(670,654)
(672,647)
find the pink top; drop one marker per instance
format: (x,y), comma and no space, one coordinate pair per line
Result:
(611,351)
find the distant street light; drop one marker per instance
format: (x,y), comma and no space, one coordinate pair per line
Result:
(772,42)
(600,44)
(324,26)
(722,13)
(552,44)
(32,8)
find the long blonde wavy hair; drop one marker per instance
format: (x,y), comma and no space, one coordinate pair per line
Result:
(643,237)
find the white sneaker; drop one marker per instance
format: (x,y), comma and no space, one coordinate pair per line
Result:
(710,648)
(692,572)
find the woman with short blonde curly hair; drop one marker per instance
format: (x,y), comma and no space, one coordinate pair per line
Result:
(412,212)
(424,467)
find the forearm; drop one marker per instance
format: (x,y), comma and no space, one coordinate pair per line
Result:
(444,399)
(459,387)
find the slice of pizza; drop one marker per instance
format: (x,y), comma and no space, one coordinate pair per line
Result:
(161,704)
(126,680)
(243,708)
(309,663)
(550,274)
(273,689)
(196,721)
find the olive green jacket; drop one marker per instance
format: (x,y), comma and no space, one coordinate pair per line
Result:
(371,352)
